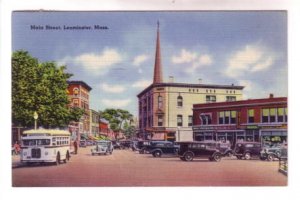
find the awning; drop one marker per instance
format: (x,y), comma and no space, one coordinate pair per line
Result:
(158,136)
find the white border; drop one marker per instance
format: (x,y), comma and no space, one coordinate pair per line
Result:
(8,192)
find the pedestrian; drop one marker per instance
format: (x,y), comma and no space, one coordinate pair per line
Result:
(17,148)
(75,146)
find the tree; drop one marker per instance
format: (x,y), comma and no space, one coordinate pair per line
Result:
(117,119)
(39,87)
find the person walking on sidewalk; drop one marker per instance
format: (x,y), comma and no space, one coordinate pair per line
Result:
(75,146)
(17,148)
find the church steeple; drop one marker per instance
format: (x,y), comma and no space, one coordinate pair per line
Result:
(158,75)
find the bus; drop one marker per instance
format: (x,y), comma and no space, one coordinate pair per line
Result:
(45,146)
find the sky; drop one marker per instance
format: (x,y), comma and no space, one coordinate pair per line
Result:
(247,48)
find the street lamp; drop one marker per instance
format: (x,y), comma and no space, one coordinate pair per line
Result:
(35,116)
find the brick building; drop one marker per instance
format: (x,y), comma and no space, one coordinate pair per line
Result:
(247,120)
(79,95)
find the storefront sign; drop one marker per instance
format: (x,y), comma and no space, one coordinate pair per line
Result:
(214,128)
(252,127)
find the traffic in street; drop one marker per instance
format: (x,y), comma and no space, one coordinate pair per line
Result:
(125,167)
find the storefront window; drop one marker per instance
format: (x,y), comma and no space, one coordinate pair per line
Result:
(205,118)
(280,113)
(286,114)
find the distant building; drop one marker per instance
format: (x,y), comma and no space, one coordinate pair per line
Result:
(94,122)
(257,120)
(166,107)
(79,96)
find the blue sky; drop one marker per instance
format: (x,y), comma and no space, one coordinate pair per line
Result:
(244,48)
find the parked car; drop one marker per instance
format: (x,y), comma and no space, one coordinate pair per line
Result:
(141,146)
(82,143)
(272,151)
(158,148)
(247,150)
(102,147)
(190,150)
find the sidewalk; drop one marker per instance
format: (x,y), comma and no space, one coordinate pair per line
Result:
(15,160)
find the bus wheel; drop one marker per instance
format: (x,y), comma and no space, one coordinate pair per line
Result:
(58,159)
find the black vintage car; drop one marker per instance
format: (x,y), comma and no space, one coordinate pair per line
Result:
(247,150)
(159,148)
(190,150)
(140,146)
(273,151)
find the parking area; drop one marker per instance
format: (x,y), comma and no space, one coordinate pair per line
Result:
(128,168)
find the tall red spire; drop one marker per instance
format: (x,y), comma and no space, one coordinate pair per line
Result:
(158,75)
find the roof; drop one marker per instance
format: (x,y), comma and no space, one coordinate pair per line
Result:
(241,103)
(80,83)
(190,85)
(46,131)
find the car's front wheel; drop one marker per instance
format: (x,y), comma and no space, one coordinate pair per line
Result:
(189,156)
(157,154)
(217,157)
(247,156)
(271,157)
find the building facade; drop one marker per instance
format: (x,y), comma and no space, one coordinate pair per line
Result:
(94,122)
(260,120)
(79,96)
(165,107)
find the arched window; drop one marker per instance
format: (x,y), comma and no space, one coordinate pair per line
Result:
(179,101)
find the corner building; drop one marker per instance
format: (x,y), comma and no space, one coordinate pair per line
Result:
(166,107)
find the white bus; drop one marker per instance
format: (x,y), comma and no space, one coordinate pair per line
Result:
(45,145)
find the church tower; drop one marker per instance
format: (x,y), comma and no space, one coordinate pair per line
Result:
(158,74)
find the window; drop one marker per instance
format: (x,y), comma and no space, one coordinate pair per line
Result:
(221,117)
(210,98)
(179,120)
(205,118)
(230,98)
(250,116)
(160,102)
(272,115)
(160,120)
(190,120)
(227,117)
(265,115)
(179,101)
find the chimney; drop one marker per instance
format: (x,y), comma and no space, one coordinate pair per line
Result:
(171,79)
(271,95)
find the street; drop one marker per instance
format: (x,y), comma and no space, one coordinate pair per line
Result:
(128,168)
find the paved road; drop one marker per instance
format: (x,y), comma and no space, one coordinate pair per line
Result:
(127,168)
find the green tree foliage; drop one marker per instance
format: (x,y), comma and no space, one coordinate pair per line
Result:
(117,118)
(40,87)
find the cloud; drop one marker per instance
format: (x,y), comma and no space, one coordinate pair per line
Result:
(194,60)
(184,57)
(138,60)
(95,63)
(252,58)
(116,103)
(112,88)
(141,84)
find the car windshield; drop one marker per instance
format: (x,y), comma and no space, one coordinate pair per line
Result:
(34,142)
(102,144)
